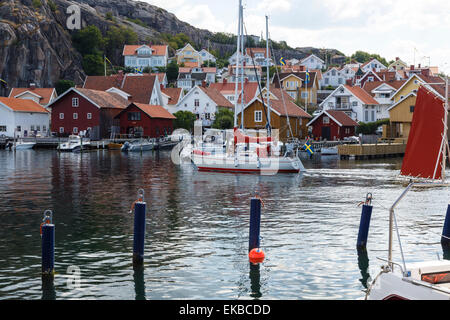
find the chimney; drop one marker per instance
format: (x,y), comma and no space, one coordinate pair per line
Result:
(419,65)
(32,86)
(204,84)
(426,72)
(161,86)
(412,67)
(302,68)
(349,82)
(397,58)
(225,81)
(130,99)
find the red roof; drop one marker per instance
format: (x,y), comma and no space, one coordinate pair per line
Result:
(157,50)
(371,85)
(155,111)
(104,99)
(250,89)
(217,97)
(339,117)
(288,108)
(140,87)
(44,93)
(251,51)
(362,95)
(173,93)
(22,105)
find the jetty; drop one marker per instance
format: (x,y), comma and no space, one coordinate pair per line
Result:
(371,151)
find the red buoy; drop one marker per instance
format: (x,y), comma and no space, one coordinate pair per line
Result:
(256,256)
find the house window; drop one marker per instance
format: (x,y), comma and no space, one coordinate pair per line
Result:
(304,95)
(258,116)
(44,128)
(61,116)
(355,103)
(38,128)
(61,129)
(347,130)
(326,120)
(32,128)
(207,116)
(19,128)
(75,116)
(2,128)
(197,102)
(89,116)
(75,130)
(327,80)
(75,102)
(134,116)
(411,109)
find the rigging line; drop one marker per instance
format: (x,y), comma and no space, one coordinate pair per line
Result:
(257,78)
(281,90)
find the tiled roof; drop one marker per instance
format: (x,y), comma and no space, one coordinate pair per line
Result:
(173,93)
(217,97)
(104,99)
(250,89)
(251,51)
(340,116)
(288,107)
(440,88)
(161,76)
(44,93)
(188,64)
(157,50)
(362,95)
(140,87)
(371,85)
(386,75)
(23,105)
(155,111)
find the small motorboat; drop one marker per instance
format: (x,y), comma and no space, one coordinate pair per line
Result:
(329,151)
(138,146)
(115,146)
(22,145)
(75,144)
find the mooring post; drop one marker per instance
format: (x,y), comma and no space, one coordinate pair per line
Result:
(139,229)
(445,239)
(255,222)
(48,245)
(364,224)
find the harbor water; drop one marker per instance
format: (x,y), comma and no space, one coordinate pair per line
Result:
(196,241)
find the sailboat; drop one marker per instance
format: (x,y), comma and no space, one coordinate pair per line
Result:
(425,158)
(244,153)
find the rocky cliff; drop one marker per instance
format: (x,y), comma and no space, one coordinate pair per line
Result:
(36,46)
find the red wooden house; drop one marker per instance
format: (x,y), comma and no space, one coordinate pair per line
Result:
(145,120)
(333,125)
(81,109)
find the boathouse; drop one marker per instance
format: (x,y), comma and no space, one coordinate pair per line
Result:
(79,110)
(333,125)
(145,120)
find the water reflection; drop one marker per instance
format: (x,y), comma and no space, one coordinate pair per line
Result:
(48,289)
(139,283)
(255,281)
(363,264)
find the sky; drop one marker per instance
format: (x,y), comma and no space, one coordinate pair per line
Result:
(413,30)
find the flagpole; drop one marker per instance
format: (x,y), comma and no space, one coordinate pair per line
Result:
(104,60)
(444,158)
(268,74)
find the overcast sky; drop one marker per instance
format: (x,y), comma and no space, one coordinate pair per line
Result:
(391,28)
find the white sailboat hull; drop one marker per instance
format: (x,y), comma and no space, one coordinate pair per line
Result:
(247,164)
(25,146)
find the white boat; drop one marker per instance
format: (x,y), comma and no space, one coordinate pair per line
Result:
(244,153)
(138,146)
(425,157)
(22,145)
(75,144)
(329,151)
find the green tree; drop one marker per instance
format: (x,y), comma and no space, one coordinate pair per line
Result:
(93,65)
(64,85)
(224,119)
(172,71)
(184,120)
(116,38)
(88,40)
(370,127)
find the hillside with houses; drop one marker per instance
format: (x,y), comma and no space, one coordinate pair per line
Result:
(117,63)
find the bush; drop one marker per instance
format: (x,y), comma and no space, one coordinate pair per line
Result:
(184,120)
(370,127)
(63,85)
(224,119)
(37,3)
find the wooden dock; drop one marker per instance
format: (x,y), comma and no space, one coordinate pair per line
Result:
(371,151)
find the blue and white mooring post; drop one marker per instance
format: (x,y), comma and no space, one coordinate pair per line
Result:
(255,222)
(364,224)
(48,245)
(445,239)
(139,229)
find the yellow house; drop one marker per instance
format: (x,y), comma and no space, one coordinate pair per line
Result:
(187,54)
(255,115)
(294,83)
(398,64)
(404,100)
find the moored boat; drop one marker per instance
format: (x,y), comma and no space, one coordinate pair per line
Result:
(75,144)
(22,145)
(138,146)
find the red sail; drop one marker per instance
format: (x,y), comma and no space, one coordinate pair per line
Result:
(239,137)
(423,156)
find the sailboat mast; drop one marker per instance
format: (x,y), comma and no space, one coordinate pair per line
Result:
(243,68)
(445,146)
(268,75)
(238,58)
